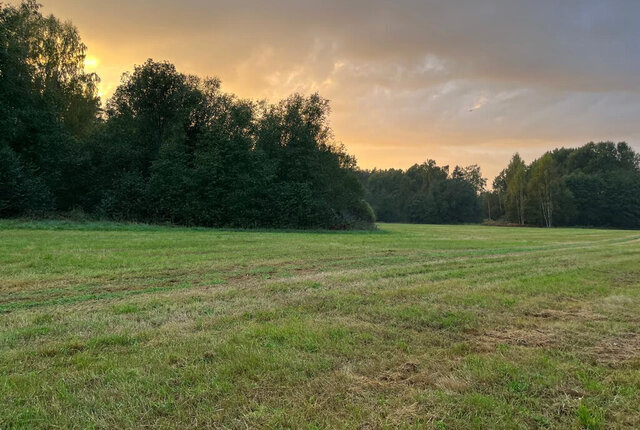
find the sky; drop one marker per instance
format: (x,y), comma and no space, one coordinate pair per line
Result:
(458,81)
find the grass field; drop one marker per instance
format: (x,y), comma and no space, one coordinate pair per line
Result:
(120,326)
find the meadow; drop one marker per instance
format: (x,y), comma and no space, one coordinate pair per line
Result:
(106,325)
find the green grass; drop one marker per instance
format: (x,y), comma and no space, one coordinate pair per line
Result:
(120,326)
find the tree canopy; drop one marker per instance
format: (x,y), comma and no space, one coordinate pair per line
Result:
(597,184)
(168,147)
(425,193)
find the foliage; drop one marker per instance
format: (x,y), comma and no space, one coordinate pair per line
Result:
(425,193)
(593,185)
(169,147)
(47,103)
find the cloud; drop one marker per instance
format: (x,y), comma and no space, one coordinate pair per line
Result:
(460,81)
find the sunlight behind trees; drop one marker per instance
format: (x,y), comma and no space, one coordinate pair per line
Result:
(173,147)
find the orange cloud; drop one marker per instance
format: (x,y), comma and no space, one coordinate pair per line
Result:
(460,82)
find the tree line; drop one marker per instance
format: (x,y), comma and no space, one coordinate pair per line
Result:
(425,193)
(597,184)
(172,147)
(168,147)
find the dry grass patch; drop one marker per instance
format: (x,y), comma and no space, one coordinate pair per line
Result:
(618,350)
(567,315)
(532,338)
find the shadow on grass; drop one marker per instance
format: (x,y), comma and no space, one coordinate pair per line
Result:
(96,225)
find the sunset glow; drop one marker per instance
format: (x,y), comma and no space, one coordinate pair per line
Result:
(91,63)
(336,214)
(407,80)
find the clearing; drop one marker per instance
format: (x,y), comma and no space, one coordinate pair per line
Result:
(413,326)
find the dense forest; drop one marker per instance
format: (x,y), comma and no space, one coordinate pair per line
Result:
(168,147)
(171,147)
(594,185)
(425,193)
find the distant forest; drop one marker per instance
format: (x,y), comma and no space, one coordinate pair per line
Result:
(171,147)
(594,185)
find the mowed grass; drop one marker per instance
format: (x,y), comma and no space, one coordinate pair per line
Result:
(122,326)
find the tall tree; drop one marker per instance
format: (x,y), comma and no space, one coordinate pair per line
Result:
(471,174)
(543,180)
(314,178)
(47,102)
(153,106)
(516,183)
